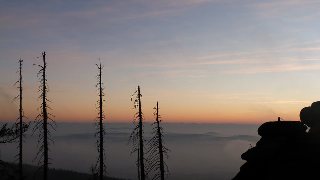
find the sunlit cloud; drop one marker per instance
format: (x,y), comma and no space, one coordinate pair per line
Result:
(276,68)
(286,102)
(227,62)
(298,49)
(177,73)
(199,76)
(224,55)
(59,92)
(161,95)
(282,3)
(243,96)
(89,13)
(305,49)
(181,2)
(305,18)
(283,8)
(121,80)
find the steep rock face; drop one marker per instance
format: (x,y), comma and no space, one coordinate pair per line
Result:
(285,151)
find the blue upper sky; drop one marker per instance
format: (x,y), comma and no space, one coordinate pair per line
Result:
(204,60)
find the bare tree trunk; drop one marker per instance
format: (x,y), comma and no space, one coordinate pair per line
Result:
(140,137)
(101,126)
(138,165)
(160,144)
(20,123)
(45,120)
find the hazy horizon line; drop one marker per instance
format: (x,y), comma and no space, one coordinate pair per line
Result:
(235,123)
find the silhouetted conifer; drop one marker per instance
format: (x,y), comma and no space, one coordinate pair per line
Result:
(100,167)
(21,127)
(156,149)
(42,122)
(137,135)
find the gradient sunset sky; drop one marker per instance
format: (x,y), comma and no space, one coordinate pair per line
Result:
(205,61)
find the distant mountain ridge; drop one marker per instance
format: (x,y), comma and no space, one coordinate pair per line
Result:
(122,136)
(56,174)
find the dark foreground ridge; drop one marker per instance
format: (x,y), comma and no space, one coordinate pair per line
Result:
(286,150)
(53,174)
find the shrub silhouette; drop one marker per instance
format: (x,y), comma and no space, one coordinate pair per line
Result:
(94,173)
(156,149)
(42,121)
(99,170)
(7,135)
(137,135)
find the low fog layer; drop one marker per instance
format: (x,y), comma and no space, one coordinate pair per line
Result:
(198,151)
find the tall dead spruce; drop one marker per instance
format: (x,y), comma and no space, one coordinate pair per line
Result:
(157,150)
(99,170)
(14,134)
(137,135)
(20,126)
(43,121)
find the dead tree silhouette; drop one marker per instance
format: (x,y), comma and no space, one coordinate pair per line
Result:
(137,135)
(42,122)
(101,170)
(21,127)
(8,135)
(156,149)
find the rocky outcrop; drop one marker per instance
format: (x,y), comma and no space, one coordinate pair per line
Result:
(286,150)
